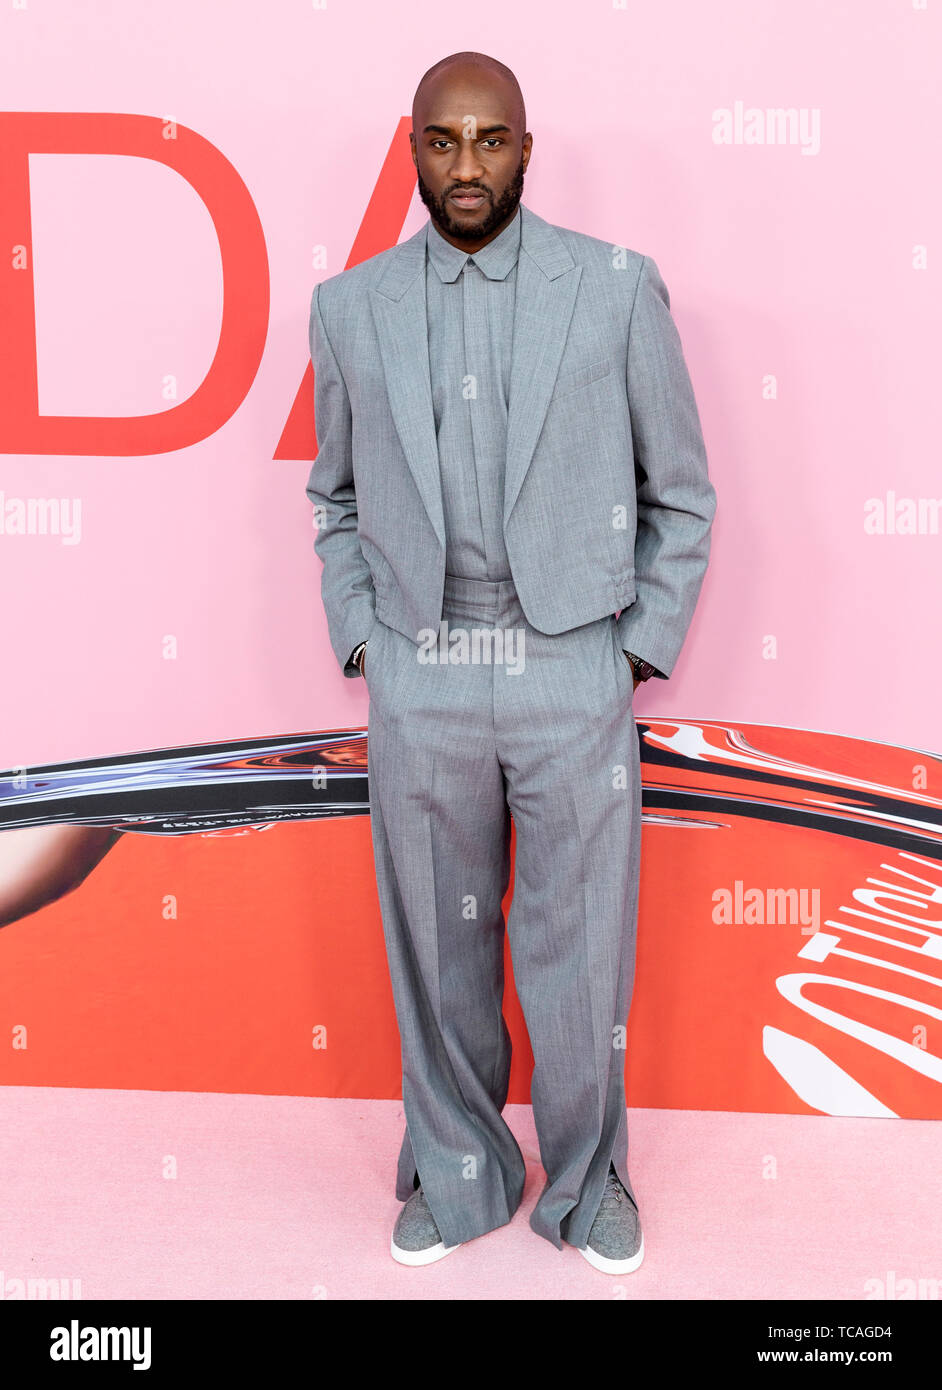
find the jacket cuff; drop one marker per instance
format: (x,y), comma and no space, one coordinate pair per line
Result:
(649,646)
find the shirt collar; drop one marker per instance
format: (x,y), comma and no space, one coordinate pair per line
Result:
(495,260)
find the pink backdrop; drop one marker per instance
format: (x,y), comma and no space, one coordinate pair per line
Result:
(778,263)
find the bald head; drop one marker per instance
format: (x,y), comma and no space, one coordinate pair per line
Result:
(470,146)
(469,67)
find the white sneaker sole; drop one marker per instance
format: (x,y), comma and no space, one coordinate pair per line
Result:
(421,1257)
(607,1266)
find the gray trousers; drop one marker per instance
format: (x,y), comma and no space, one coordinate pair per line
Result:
(454,751)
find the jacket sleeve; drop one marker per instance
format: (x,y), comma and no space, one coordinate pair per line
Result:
(346,582)
(676,501)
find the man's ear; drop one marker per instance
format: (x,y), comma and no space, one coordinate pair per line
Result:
(412,147)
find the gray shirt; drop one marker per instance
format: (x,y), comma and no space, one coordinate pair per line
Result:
(470,309)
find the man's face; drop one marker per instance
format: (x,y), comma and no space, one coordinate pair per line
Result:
(470,151)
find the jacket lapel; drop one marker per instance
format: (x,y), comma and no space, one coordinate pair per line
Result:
(547,282)
(398,303)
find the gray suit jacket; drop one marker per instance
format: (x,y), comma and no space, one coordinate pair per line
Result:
(607,504)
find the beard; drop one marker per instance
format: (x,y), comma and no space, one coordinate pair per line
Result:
(501,209)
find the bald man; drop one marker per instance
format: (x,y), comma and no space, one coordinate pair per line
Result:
(514,514)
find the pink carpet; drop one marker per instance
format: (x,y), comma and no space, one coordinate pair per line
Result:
(291,1198)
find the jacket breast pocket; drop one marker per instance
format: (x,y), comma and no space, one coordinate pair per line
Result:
(575,378)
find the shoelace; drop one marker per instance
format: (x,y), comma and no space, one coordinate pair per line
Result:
(613,1186)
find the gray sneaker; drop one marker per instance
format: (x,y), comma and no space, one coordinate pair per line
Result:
(416,1240)
(615,1242)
